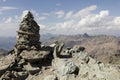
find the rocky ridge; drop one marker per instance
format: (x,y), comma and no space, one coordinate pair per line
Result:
(29,60)
(101,47)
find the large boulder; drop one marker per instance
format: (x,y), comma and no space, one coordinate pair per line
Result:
(65,66)
(82,55)
(34,56)
(5,63)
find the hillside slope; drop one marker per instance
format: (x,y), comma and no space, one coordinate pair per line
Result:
(101,47)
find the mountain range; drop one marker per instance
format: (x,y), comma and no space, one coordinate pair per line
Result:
(102,47)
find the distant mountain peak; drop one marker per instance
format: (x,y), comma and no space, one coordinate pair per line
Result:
(85,35)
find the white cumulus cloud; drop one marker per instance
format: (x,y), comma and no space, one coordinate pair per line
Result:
(85,21)
(79,22)
(3,0)
(8,20)
(6,8)
(81,13)
(59,14)
(41,18)
(24,13)
(69,15)
(85,11)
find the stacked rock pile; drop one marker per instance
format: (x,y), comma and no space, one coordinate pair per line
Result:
(28,33)
(27,56)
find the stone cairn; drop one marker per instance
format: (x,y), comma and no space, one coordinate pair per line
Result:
(27,57)
(28,34)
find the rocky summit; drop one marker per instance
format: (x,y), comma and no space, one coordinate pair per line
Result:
(30,60)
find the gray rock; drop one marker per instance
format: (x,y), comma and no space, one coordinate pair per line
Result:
(34,56)
(5,63)
(50,77)
(32,70)
(78,48)
(65,66)
(68,77)
(22,75)
(3,69)
(82,55)
(7,76)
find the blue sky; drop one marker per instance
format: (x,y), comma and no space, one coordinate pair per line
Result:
(62,16)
